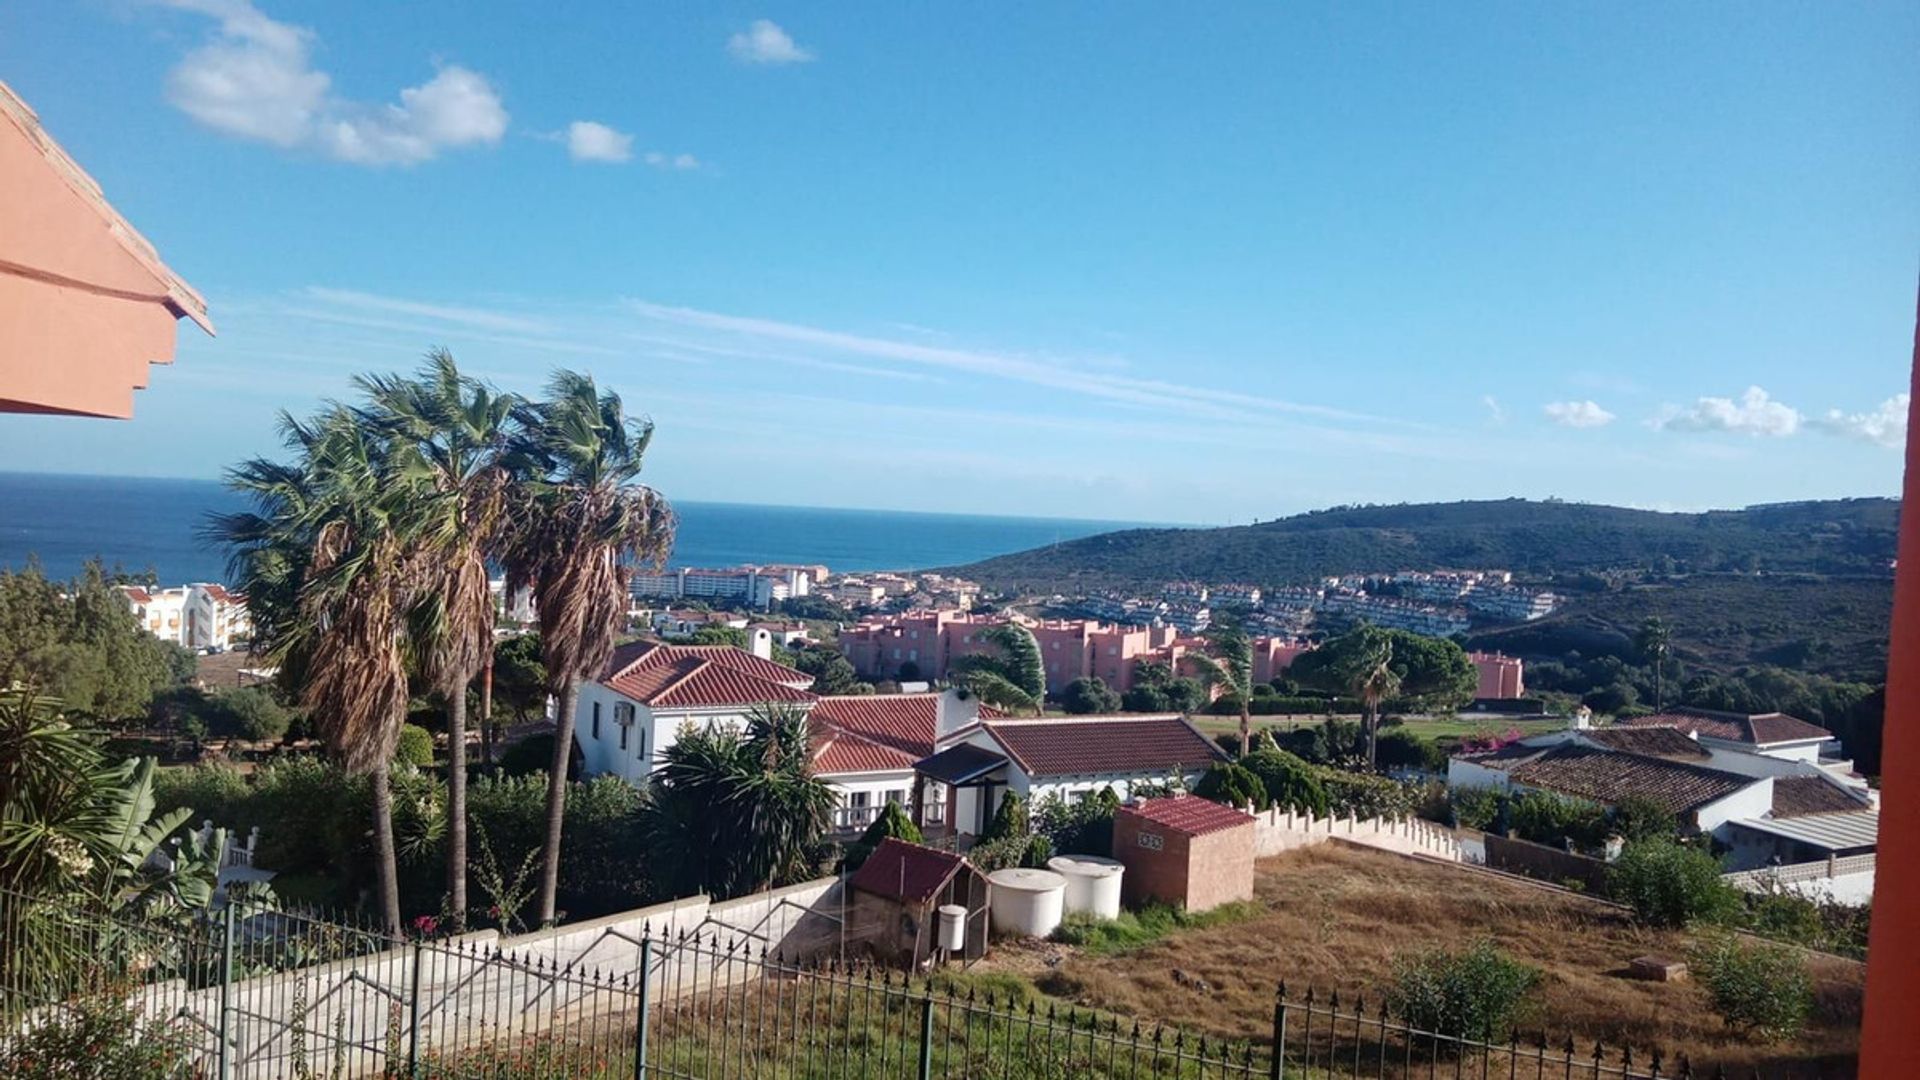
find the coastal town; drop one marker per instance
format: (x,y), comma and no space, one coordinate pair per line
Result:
(1153,547)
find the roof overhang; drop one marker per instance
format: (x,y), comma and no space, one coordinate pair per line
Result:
(960,765)
(1842,831)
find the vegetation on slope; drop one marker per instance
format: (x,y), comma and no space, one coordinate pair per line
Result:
(1848,536)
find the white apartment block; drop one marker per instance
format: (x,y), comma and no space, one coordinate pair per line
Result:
(198,616)
(751,586)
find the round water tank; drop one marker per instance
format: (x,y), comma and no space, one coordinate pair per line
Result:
(953,927)
(1093,884)
(1027,902)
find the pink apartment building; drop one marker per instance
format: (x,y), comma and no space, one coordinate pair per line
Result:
(931,640)
(1502,678)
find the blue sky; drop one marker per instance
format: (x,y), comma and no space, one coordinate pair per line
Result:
(1119,261)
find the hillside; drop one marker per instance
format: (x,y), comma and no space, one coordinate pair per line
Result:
(1853,537)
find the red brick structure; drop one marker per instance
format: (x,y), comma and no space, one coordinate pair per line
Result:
(1185,851)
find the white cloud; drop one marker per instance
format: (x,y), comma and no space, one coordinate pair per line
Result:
(764,42)
(1578,414)
(1496,413)
(589,140)
(681,162)
(1755,413)
(1886,425)
(255,80)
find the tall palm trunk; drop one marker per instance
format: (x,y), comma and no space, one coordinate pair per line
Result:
(569,700)
(1372,718)
(385,860)
(486,711)
(1246,727)
(457,807)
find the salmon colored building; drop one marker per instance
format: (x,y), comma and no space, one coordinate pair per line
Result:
(85,302)
(1502,677)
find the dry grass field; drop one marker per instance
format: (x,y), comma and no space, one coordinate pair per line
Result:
(1336,917)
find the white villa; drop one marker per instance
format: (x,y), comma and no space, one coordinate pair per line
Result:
(866,746)
(198,616)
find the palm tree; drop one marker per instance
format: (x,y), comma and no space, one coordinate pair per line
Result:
(736,812)
(328,560)
(1655,641)
(1370,677)
(1013,679)
(1231,666)
(578,519)
(449,433)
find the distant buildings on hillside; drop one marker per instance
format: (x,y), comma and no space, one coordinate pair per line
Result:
(198,616)
(750,586)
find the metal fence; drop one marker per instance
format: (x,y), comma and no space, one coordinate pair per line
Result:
(252,994)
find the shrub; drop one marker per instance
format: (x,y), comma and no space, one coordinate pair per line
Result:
(1546,818)
(1401,749)
(892,821)
(1762,990)
(1009,819)
(1009,851)
(1289,781)
(1084,826)
(533,754)
(214,792)
(1231,783)
(1474,808)
(1363,795)
(99,1034)
(415,746)
(252,713)
(1089,694)
(1670,884)
(1477,994)
(1636,818)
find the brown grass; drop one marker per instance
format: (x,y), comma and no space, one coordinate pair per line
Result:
(1338,917)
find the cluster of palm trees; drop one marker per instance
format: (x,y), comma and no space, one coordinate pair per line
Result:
(364,559)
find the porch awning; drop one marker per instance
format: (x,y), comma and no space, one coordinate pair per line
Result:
(958,765)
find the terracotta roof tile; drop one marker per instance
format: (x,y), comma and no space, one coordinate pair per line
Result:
(904,722)
(1800,796)
(1609,776)
(1104,744)
(908,872)
(1758,729)
(1188,815)
(690,676)
(837,752)
(1664,742)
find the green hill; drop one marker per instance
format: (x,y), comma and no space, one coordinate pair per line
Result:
(1539,540)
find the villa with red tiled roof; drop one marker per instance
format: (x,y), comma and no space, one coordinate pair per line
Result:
(865,746)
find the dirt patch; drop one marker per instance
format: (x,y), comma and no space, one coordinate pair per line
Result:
(1337,917)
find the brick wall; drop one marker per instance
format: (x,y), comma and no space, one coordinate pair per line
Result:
(1220,868)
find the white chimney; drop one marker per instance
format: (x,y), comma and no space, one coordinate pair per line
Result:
(761,642)
(1583,719)
(952,712)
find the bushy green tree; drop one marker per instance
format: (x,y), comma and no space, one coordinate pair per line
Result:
(81,645)
(1759,990)
(1230,783)
(1013,677)
(1638,818)
(1009,819)
(1376,666)
(414,747)
(1088,695)
(520,677)
(1288,781)
(1546,818)
(1670,884)
(252,713)
(1479,993)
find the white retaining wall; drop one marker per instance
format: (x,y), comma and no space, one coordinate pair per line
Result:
(1276,831)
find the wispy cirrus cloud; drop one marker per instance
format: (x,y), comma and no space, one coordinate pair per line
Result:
(1577,414)
(1882,426)
(764,42)
(1754,413)
(255,79)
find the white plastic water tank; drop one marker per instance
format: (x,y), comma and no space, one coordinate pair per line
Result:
(1027,902)
(1093,884)
(953,927)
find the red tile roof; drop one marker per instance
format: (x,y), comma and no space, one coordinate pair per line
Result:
(907,872)
(836,752)
(136,594)
(1665,742)
(692,676)
(1188,815)
(1104,744)
(904,722)
(1608,776)
(1757,729)
(1799,796)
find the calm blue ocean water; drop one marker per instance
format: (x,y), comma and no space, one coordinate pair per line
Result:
(65,520)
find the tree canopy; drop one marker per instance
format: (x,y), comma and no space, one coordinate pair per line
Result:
(81,644)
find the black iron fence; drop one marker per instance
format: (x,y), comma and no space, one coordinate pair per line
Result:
(256,993)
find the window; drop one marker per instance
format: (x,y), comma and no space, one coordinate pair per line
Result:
(896,654)
(623,736)
(913,654)
(596,720)
(898,795)
(858,799)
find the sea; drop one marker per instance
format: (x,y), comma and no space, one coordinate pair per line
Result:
(138,524)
